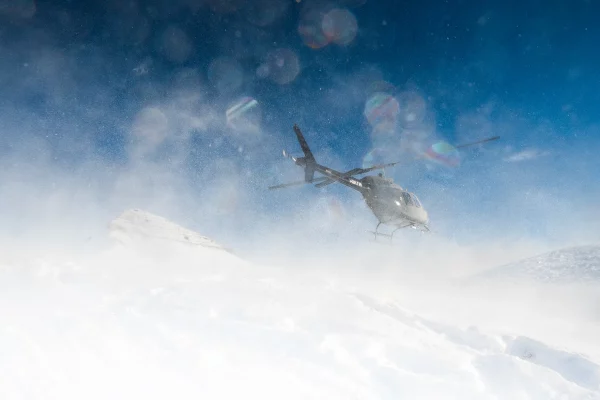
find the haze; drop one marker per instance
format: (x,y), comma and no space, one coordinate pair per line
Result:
(180,110)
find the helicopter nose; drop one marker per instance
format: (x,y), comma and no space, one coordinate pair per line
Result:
(421,216)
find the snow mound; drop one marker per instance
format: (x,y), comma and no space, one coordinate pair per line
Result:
(571,265)
(135,226)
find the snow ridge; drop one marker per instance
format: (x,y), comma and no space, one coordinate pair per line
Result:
(571,265)
(136,225)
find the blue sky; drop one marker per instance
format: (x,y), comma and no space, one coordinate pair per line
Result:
(93,91)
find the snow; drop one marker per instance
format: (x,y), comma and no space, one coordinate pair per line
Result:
(571,265)
(136,225)
(168,313)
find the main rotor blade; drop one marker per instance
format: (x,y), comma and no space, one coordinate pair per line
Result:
(380,166)
(478,142)
(284,185)
(346,174)
(357,171)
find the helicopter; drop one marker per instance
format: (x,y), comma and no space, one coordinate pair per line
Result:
(389,202)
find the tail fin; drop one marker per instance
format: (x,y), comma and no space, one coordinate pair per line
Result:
(308,159)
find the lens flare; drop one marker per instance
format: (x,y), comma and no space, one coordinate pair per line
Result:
(321,26)
(412,108)
(374,157)
(381,110)
(416,141)
(380,86)
(225,75)
(311,30)
(282,66)
(339,26)
(443,153)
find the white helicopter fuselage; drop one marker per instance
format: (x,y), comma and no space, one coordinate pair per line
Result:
(393,205)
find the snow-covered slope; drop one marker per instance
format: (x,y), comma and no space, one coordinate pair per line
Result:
(174,320)
(570,265)
(137,225)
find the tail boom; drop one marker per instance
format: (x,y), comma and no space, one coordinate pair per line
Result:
(308,161)
(311,166)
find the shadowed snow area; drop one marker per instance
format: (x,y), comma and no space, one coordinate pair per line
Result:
(168,313)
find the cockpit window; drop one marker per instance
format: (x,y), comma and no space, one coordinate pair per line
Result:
(405,197)
(415,200)
(410,199)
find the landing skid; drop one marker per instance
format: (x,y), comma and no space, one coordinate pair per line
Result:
(387,235)
(390,236)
